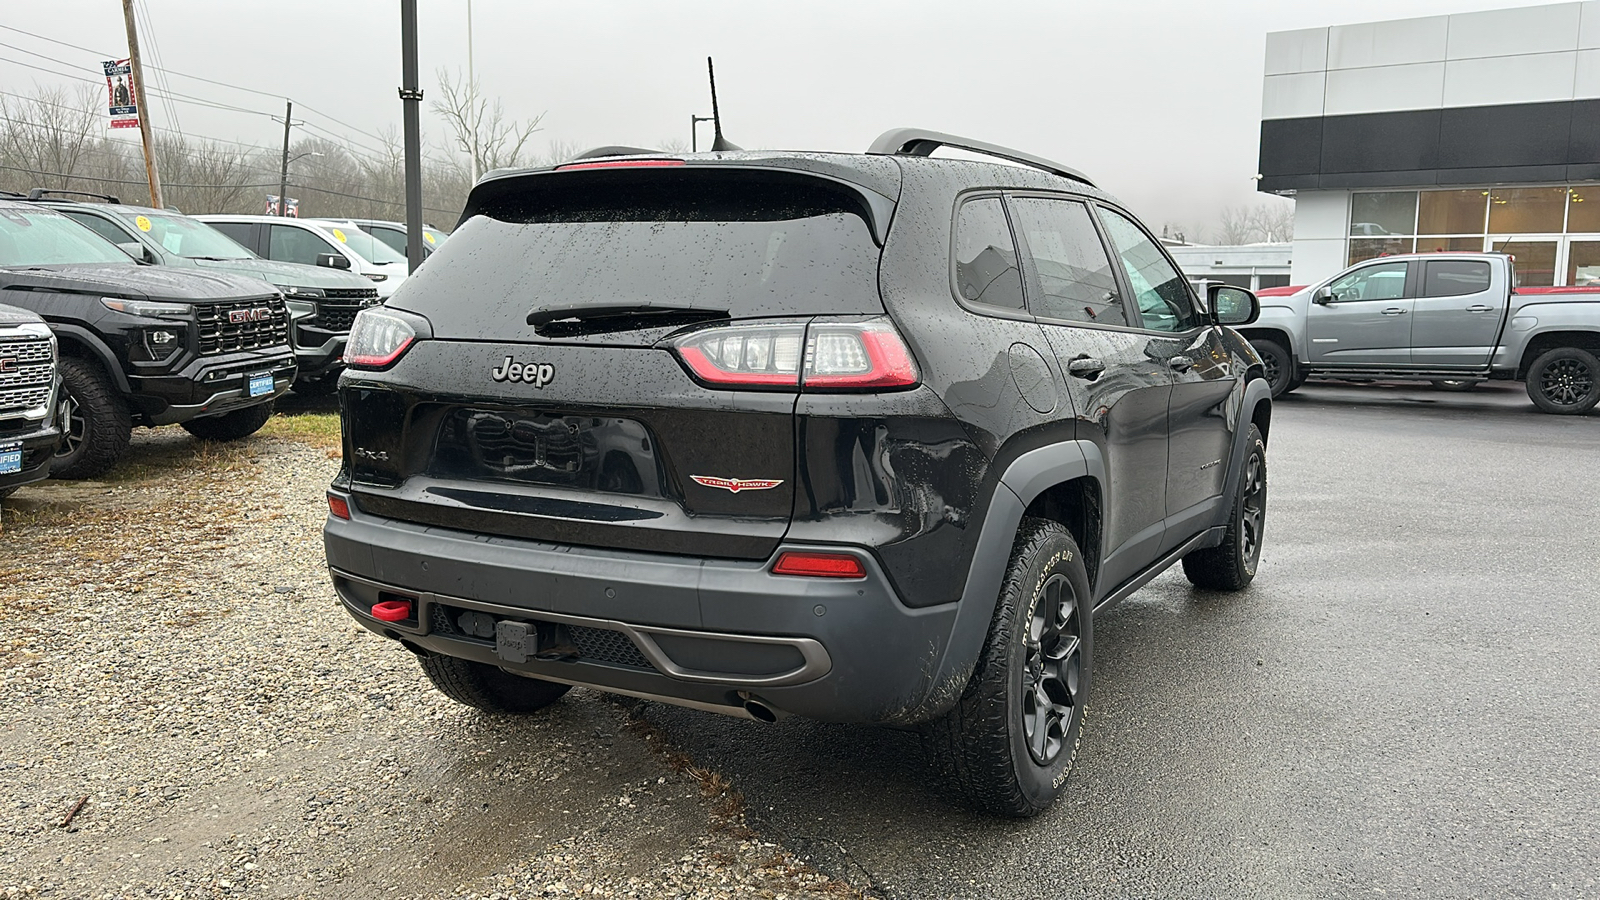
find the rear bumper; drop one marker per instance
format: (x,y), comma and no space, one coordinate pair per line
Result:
(38,448)
(708,633)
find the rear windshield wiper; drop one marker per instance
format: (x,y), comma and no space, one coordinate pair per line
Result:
(574,318)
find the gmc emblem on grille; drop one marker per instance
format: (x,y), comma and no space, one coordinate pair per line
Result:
(258,314)
(8,365)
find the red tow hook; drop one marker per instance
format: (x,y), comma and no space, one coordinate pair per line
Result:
(392,610)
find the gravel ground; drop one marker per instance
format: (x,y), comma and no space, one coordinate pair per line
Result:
(189,714)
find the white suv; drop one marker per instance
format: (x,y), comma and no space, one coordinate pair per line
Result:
(335,244)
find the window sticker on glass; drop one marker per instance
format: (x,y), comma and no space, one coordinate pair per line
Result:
(339,234)
(143,222)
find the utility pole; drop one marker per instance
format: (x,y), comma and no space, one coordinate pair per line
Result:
(283,180)
(144,107)
(472,80)
(411,97)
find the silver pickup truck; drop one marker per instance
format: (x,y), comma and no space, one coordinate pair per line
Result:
(1453,319)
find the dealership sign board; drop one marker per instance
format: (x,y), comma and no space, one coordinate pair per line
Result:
(120,94)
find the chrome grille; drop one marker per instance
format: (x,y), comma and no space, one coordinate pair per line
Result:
(220,334)
(25,350)
(30,373)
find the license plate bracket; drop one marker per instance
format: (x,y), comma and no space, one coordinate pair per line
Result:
(258,385)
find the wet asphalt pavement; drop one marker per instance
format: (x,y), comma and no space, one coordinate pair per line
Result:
(1406,702)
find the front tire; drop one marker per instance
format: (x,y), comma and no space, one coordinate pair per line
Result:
(1231,565)
(240,423)
(1011,740)
(488,688)
(96,420)
(1277,366)
(1564,381)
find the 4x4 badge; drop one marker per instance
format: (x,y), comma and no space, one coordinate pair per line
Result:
(737,484)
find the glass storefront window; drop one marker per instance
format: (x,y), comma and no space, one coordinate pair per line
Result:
(1367,248)
(1539,210)
(1383,213)
(1583,213)
(1535,261)
(1451,212)
(1427,244)
(1583,263)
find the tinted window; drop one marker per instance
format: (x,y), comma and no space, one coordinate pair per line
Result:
(243,232)
(290,244)
(1074,276)
(1161,292)
(1452,278)
(1386,281)
(395,239)
(986,258)
(99,226)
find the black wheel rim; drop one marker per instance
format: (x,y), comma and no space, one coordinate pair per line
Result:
(1566,382)
(1253,507)
(1271,368)
(70,414)
(1052,672)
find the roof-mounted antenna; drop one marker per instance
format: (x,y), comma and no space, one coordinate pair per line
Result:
(718,143)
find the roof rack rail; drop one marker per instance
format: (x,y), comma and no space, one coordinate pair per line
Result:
(920,142)
(40,193)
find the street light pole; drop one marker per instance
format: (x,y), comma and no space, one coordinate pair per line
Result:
(411,97)
(472,79)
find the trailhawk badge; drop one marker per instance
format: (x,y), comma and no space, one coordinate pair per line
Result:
(738,484)
(536,374)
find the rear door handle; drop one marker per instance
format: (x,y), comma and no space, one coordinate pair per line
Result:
(1181,363)
(1394,311)
(1479,307)
(1086,367)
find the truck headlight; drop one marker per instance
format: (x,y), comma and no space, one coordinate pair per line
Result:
(148,308)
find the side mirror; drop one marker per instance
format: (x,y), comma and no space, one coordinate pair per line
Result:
(1233,305)
(1323,296)
(138,251)
(333,261)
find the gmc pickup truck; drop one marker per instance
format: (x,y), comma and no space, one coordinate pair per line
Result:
(1453,319)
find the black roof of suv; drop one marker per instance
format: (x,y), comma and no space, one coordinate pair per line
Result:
(858,437)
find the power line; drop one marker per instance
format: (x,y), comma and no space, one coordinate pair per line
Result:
(126,181)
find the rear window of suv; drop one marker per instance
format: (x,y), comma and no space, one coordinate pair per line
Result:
(750,243)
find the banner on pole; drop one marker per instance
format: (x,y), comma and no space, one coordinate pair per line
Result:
(121,98)
(272,206)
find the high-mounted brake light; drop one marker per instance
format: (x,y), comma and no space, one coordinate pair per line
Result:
(622,164)
(377,339)
(819,565)
(824,356)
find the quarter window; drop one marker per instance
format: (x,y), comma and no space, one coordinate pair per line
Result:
(1071,276)
(986,258)
(290,244)
(1161,292)
(1454,278)
(1386,281)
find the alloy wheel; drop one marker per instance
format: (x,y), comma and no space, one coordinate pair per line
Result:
(1254,507)
(75,425)
(1052,677)
(1566,381)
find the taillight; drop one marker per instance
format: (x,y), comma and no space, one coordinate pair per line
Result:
(825,356)
(819,565)
(377,339)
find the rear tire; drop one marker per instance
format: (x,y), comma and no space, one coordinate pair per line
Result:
(1564,381)
(241,423)
(96,419)
(1011,740)
(1231,565)
(1277,366)
(488,688)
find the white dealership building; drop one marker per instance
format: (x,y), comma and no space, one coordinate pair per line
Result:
(1476,131)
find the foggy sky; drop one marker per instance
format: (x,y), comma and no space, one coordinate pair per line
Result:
(1159,102)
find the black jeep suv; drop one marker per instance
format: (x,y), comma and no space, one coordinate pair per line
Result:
(142,345)
(322,302)
(862,438)
(28,431)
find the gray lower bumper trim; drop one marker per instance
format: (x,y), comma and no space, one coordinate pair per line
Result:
(815,661)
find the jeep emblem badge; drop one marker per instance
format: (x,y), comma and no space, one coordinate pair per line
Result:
(536,374)
(735,485)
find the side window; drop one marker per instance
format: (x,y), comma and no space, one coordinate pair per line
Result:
(1071,273)
(986,258)
(394,238)
(287,243)
(1385,281)
(242,232)
(100,226)
(1158,287)
(1453,278)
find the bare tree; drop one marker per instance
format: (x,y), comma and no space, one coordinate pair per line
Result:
(480,129)
(1235,225)
(1271,222)
(1274,221)
(51,131)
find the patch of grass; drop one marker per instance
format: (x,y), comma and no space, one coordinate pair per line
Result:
(318,429)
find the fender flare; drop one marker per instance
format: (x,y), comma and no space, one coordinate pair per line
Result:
(97,349)
(1028,476)
(1256,393)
